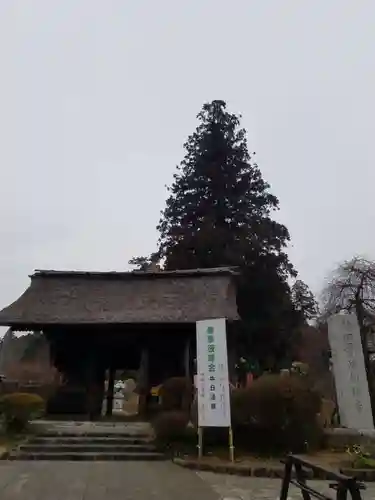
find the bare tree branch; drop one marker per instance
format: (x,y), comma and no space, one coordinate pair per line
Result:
(352,282)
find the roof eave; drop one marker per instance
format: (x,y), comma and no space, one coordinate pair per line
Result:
(179,273)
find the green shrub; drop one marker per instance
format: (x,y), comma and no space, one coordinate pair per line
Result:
(361,457)
(19,408)
(170,426)
(176,394)
(277,414)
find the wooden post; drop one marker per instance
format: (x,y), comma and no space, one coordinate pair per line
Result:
(231,445)
(99,390)
(187,358)
(286,480)
(300,476)
(200,442)
(90,385)
(110,391)
(144,381)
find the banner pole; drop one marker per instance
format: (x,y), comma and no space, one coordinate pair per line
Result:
(200,442)
(231,447)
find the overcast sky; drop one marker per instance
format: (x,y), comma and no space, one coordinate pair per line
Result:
(98,96)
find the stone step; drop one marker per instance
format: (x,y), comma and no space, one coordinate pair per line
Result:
(63,457)
(109,440)
(69,434)
(86,448)
(88,442)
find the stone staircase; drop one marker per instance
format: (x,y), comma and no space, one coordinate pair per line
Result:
(89,442)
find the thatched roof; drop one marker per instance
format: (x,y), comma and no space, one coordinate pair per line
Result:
(79,298)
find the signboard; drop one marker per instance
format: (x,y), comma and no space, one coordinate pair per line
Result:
(349,371)
(212,374)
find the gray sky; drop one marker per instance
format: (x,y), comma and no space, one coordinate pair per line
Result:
(98,96)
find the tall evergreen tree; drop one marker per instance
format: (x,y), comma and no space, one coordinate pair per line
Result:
(219,209)
(304,301)
(219,213)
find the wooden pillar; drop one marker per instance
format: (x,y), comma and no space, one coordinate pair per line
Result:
(144,381)
(90,385)
(99,390)
(187,359)
(110,391)
(144,368)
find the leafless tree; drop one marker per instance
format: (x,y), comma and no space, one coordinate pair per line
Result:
(352,289)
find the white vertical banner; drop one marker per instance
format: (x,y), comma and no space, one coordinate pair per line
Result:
(348,364)
(212,374)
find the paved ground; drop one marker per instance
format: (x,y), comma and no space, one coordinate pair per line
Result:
(253,488)
(131,481)
(100,481)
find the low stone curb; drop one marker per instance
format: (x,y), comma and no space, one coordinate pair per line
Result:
(234,469)
(367,475)
(272,471)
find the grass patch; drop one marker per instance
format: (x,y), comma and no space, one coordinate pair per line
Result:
(7,443)
(10,440)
